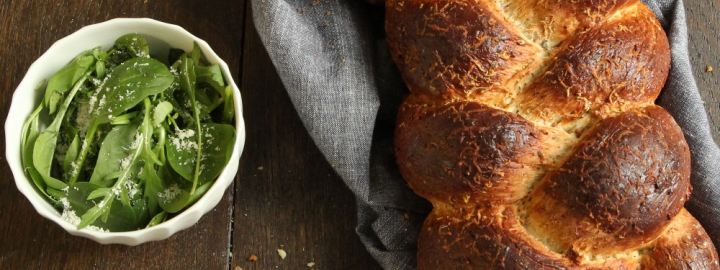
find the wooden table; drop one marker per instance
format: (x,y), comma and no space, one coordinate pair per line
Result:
(285,195)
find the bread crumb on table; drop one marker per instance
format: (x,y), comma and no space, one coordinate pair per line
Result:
(709,68)
(311,264)
(253,258)
(281,252)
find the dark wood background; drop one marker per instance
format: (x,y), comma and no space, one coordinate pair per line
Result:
(285,195)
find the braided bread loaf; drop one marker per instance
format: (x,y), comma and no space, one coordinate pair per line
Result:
(531,128)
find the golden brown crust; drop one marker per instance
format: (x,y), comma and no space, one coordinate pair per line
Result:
(685,245)
(629,174)
(619,189)
(476,240)
(457,46)
(493,238)
(623,62)
(588,11)
(549,22)
(459,150)
(531,129)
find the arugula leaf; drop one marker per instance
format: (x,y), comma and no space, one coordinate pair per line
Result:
(196,53)
(127,171)
(147,132)
(30,131)
(153,185)
(46,141)
(187,82)
(123,119)
(228,112)
(212,75)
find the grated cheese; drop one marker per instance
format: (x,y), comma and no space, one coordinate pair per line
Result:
(181,139)
(169,193)
(132,188)
(70,217)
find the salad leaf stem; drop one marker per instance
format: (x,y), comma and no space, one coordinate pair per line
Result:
(84,149)
(147,131)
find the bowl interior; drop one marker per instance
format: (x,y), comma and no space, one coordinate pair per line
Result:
(161,37)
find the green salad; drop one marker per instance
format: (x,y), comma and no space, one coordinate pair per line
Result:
(123,141)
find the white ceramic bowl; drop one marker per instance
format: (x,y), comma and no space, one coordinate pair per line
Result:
(161,36)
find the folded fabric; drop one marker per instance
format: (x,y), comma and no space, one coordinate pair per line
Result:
(334,63)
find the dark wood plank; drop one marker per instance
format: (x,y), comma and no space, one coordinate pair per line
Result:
(704,26)
(287,196)
(27,29)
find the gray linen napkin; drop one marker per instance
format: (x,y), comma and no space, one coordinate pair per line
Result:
(332,59)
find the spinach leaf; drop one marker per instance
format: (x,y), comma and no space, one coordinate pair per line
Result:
(126,86)
(174,199)
(64,79)
(218,139)
(119,217)
(157,219)
(71,153)
(124,187)
(119,188)
(133,43)
(161,111)
(100,65)
(127,47)
(113,150)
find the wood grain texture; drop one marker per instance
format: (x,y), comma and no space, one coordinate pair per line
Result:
(31,242)
(295,202)
(287,196)
(704,25)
